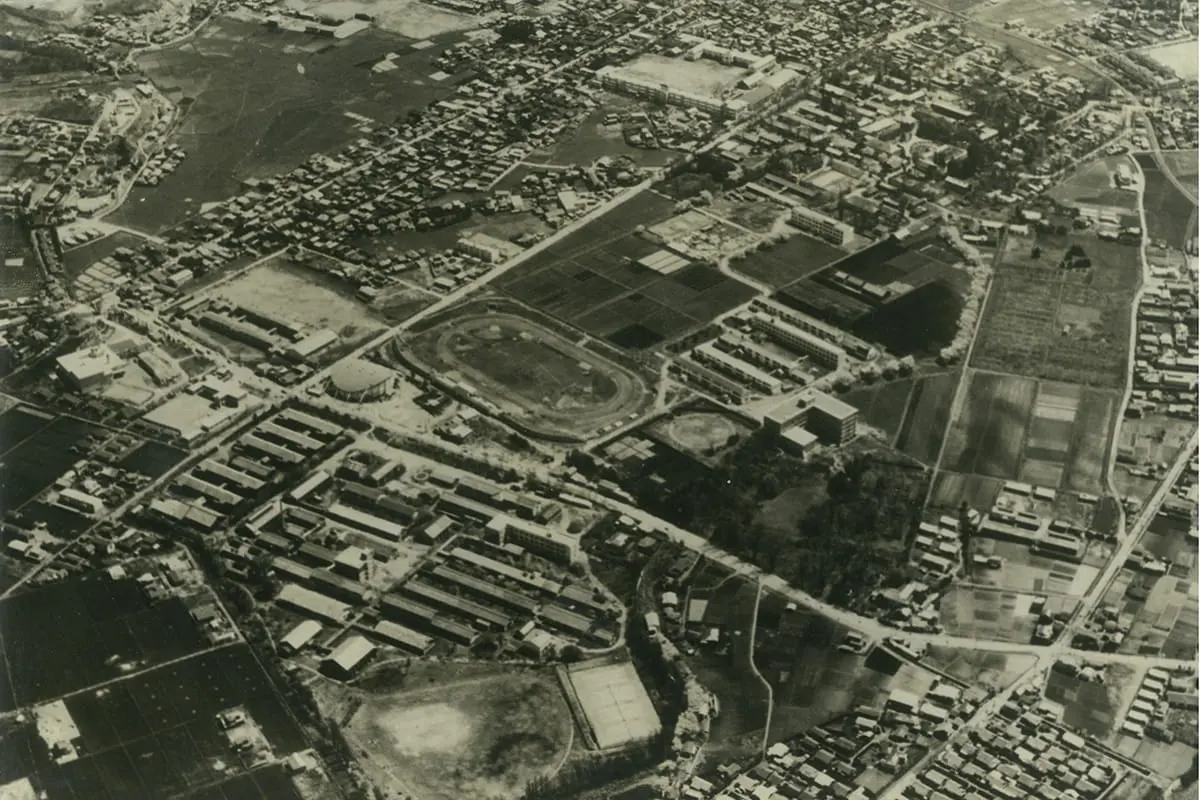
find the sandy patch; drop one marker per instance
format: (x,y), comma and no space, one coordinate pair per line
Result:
(433,728)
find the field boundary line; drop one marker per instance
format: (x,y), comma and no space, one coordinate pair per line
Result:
(960,390)
(766,740)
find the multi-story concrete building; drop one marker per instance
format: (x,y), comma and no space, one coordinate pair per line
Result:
(824,415)
(712,380)
(743,371)
(545,542)
(787,334)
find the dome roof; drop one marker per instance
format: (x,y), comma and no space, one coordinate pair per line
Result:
(355,375)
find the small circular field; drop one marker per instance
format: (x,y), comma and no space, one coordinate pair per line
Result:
(701,433)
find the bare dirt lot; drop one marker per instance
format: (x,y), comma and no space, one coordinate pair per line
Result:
(283,288)
(481,737)
(410,18)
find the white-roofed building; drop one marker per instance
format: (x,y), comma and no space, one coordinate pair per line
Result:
(348,658)
(300,636)
(90,367)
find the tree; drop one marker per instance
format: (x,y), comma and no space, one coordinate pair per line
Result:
(520,30)
(1036,253)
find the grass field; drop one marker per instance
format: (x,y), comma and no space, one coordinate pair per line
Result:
(294,292)
(259,103)
(1068,325)
(927,415)
(883,406)
(952,488)
(483,737)
(788,261)
(1169,212)
(1184,165)
(549,382)
(1092,185)
(1041,15)
(591,280)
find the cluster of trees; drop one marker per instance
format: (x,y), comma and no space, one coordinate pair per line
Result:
(844,546)
(39,58)
(579,776)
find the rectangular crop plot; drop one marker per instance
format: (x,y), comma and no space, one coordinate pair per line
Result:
(1089,447)
(38,453)
(789,261)
(989,436)
(1017,322)
(592,281)
(156,734)
(927,416)
(1071,325)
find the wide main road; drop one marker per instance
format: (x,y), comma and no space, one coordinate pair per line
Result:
(1133,535)
(878,630)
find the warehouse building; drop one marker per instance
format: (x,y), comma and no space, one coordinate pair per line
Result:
(306,601)
(349,657)
(404,638)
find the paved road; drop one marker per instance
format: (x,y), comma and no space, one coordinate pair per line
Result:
(877,630)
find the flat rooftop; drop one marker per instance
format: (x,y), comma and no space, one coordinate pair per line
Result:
(700,77)
(615,703)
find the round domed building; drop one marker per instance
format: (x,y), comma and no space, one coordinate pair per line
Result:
(359,381)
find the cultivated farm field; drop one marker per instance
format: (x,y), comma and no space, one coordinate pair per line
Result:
(592,280)
(1047,434)
(927,415)
(1170,214)
(1045,321)
(988,436)
(789,261)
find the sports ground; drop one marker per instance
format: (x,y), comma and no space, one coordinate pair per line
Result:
(481,737)
(549,383)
